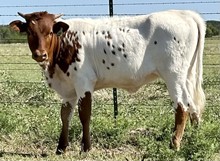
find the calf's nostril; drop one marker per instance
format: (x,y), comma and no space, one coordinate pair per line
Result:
(35,55)
(44,55)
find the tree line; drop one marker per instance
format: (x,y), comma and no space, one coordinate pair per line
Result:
(9,36)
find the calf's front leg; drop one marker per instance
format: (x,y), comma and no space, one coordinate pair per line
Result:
(84,108)
(66,114)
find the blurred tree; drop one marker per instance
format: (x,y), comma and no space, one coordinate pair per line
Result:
(213,28)
(9,36)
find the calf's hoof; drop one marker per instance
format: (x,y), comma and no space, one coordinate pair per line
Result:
(175,144)
(60,151)
(85,147)
(195,119)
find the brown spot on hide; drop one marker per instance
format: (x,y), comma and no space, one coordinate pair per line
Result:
(68,54)
(108,36)
(125,55)
(77,59)
(77,38)
(69,34)
(108,68)
(108,43)
(105,51)
(103,32)
(75,33)
(155,42)
(83,33)
(49,84)
(77,45)
(97,32)
(119,49)
(123,45)
(113,46)
(103,61)
(112,64)
(68,74)
(75,68)
(113,52)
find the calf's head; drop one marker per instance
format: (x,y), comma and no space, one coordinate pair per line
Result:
(41,30)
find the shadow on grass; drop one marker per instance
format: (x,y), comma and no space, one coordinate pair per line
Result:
(2,153)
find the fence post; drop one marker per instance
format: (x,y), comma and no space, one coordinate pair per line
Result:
(115,99)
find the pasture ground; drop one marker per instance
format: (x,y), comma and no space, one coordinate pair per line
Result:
(30,121)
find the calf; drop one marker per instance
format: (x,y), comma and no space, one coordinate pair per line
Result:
(118,52)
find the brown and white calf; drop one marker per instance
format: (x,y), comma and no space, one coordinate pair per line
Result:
(125,53)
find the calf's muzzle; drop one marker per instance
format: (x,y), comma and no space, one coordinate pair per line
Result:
(40,56)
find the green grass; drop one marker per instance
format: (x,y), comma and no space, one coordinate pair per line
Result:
(30,122)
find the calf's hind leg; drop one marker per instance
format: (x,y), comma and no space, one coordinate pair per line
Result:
(184,105)
(180,123)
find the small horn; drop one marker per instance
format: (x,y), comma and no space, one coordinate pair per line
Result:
(22,15)
(57,16)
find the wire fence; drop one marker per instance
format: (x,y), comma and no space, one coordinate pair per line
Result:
(115,4)
(101,5)
(19,71)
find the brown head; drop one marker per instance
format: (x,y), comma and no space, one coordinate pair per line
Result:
(41,30)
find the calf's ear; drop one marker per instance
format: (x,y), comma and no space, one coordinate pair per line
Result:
(18,26)
(60,27)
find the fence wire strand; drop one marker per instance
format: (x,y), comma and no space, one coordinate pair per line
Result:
(115,4)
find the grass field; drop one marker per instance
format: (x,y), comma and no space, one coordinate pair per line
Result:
(30,121)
